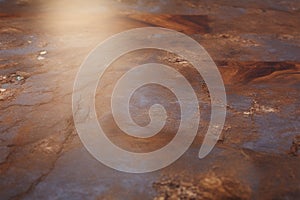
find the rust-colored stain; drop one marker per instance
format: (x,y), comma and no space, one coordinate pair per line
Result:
(189,24)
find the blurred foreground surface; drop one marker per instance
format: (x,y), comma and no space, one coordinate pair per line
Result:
(256,46)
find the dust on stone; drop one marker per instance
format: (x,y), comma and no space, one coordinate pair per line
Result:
(208,186)
(9,83)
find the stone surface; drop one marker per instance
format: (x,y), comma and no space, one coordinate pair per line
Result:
(256,46)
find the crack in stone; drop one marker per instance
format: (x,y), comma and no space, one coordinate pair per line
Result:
(69,129)
(9,127)
(24,105)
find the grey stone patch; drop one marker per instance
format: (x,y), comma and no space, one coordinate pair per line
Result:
(272,48)
(239,102)
(77,175)
(270,126)
(30,99)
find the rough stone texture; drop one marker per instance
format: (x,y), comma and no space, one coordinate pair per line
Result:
(256,46)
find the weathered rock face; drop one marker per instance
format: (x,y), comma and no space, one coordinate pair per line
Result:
(256,46)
